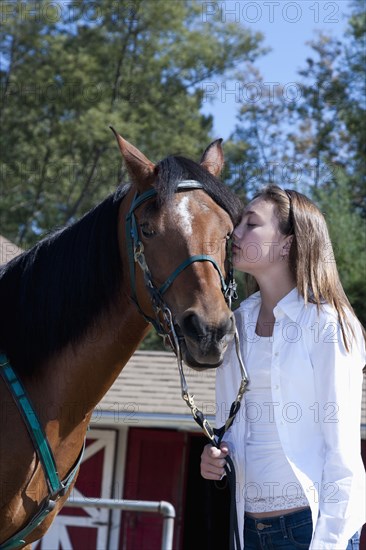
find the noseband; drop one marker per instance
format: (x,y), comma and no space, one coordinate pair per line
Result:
(163,322)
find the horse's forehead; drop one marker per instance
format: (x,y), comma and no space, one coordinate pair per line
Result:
(184,214)
(188,210)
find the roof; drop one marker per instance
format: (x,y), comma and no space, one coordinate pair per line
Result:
(8,250)
(148,389)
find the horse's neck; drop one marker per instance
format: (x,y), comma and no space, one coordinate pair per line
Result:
(81,375)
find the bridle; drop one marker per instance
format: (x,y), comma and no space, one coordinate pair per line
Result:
(163,322)
(136,255)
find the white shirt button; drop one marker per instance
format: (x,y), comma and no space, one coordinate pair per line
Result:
(276,354)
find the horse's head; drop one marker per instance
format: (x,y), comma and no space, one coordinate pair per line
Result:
(181,219)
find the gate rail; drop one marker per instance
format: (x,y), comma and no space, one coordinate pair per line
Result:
(166,509)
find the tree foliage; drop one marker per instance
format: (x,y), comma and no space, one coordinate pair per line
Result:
(69,71)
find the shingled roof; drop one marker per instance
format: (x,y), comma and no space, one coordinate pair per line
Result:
(148,391)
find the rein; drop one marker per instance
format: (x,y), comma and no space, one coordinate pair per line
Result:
(167,331)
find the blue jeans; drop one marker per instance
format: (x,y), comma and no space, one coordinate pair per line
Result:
(354,542)
(291,531)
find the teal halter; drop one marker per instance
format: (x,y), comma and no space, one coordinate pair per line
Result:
(136,255)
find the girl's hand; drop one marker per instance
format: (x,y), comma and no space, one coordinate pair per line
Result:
(213,461)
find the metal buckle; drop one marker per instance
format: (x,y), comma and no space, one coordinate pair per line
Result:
(138,250)
(208,430)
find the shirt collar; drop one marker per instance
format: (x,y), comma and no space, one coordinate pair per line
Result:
(290,305)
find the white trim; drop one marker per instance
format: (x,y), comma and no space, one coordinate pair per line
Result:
(148,420)
(119,475)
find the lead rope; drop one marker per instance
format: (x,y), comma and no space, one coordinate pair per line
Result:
(213,434)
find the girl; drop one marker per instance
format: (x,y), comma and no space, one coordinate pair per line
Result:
(295,442)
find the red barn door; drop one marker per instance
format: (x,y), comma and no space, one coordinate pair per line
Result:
(155,470)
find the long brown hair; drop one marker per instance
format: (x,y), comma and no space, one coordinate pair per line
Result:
(311,256)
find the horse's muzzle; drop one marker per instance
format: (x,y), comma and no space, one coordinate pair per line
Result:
(203,344)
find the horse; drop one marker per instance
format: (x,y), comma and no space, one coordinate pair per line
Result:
(74,311)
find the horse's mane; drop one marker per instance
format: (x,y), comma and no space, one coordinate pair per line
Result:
(51,294)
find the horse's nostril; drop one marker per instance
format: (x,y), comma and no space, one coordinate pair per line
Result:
(204,343)
(192,326)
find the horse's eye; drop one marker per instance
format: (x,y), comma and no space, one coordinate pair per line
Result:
(146,230)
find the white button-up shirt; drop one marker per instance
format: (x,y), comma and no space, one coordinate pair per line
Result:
(316,401)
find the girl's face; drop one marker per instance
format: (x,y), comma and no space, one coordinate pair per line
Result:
(258,245)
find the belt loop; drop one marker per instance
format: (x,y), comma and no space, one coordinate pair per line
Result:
(283,526)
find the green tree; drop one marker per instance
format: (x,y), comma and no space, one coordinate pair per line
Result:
(348,236)
(331,114)
(71,70)
(258,151)
(352,111)
(333,111)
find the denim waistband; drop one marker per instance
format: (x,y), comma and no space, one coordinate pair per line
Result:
(278,523)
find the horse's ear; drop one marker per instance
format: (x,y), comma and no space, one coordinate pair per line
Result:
(140,168)
(213,158)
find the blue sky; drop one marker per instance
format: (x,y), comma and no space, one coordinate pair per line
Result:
(287,26)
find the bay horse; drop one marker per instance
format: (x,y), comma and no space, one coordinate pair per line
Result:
(69,321)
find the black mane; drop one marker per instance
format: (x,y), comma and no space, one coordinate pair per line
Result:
(51,294)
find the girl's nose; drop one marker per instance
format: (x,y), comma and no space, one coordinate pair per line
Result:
(238,232)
